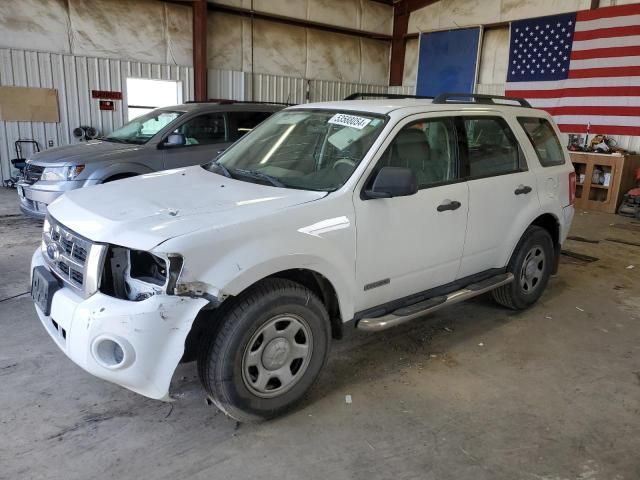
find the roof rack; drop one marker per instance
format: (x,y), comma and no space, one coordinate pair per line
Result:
(479,98)
(226,101)
(363,95)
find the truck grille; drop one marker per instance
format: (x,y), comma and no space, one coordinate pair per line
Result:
(71,257)
(32,173)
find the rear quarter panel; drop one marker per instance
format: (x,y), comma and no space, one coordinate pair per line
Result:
(552,182)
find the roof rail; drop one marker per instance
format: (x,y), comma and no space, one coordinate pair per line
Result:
(479,98)
(363,95)
(226,101)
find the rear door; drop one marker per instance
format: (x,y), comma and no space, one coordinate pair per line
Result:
(503,192)
(409,244)
(205,134)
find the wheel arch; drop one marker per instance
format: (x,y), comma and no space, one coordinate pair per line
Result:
(103,172)
(550,223)
(205,322)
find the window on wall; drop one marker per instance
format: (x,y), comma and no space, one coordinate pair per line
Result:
(143,95)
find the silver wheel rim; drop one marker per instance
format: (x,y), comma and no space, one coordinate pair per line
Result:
(532,269)
(277,356)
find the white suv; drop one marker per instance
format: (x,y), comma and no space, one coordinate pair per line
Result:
(366,213)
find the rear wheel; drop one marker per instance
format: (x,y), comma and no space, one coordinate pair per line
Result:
(531,265)
(268,350)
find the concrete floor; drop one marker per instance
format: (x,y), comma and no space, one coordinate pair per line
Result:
(473,392)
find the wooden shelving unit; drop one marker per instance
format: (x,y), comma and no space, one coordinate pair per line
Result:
(599,197)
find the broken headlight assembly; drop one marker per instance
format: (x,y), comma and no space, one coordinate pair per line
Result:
(137,275)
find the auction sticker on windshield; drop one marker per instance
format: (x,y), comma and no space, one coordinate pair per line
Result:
(350,121)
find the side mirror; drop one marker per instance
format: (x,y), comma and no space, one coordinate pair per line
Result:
(174,140)
(393,182)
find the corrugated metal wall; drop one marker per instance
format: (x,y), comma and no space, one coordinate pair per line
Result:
(74,77)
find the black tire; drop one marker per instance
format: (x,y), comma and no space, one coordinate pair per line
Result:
(221,358)
(524,292)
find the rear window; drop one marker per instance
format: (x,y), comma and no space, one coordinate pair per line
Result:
(544,140)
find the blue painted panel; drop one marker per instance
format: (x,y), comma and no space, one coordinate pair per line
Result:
(447,61)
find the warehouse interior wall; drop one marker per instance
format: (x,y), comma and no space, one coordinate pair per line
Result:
(161,33)
(76,46)
(494,52)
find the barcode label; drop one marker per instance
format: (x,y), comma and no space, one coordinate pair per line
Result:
(352,121)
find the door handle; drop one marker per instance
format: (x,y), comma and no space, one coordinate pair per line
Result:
(449,205)
(522,190)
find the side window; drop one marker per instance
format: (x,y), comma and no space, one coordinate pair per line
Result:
(428,147)
(544,140)
(203,129)
(492,148)
(241,123)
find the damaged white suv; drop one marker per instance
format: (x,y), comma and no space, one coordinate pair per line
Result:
(364,212)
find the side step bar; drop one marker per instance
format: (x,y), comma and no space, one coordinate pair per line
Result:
(416,310)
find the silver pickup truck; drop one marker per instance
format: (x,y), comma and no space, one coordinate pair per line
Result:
(165,138)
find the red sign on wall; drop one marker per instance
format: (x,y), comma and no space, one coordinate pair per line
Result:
(106,95)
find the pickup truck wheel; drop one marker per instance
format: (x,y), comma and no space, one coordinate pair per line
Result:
(269,349)
(531,265)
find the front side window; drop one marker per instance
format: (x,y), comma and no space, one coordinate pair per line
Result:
(141,129)
(305,149)
(203,130)
(428,147)
(544,140)
(492,148)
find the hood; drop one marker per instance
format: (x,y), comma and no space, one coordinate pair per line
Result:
(142,212)
(86,152)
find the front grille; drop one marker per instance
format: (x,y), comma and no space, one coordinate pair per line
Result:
(67,254)
(32,173)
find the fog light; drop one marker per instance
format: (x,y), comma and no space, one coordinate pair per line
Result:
(112,353)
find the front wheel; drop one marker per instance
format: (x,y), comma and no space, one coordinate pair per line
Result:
(268,350)
(531,265)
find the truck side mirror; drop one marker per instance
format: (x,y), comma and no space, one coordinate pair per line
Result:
(175,140)
(393,182)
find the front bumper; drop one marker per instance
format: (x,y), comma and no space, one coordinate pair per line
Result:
(35,197)
(150,333)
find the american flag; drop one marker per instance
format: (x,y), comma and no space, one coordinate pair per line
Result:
(583,68)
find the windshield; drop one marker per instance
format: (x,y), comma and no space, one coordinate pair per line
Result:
(142,128)
(310,150)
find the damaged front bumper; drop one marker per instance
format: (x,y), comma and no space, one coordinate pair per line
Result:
(135,344)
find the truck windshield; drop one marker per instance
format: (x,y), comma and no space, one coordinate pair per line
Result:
(304,149)
(142,128)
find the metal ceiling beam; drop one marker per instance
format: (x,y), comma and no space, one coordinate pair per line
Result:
(401,13)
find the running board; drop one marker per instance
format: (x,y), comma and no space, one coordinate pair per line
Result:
(416,310)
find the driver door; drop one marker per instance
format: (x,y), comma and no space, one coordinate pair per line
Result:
(204,135)
(407,245)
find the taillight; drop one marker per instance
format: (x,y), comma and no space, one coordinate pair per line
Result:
(572,188)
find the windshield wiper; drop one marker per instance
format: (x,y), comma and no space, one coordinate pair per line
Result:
(224,169)
(263,176)
(112,139)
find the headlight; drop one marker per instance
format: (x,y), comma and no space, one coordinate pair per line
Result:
(60,174)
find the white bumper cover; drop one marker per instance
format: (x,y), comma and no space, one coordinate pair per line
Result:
(151,334)
(568,213)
